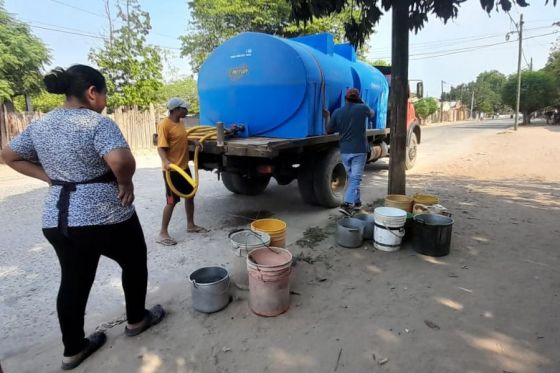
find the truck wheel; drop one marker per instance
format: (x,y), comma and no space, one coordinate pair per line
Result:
(329,179)
(242,184)
(227,179)
(305,181)
(411,152)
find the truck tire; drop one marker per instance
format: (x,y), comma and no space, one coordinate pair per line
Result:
(305,181)
(329,179)
(411,152)
(227,179)
(242,184)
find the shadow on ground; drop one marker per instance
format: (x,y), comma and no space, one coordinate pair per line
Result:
(490,306)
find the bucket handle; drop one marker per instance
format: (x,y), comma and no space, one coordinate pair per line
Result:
(401,231)
(253,233)
(195,285)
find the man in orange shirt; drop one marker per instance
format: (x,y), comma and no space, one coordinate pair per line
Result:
(173,148)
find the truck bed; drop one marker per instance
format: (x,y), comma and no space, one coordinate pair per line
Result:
(267,147)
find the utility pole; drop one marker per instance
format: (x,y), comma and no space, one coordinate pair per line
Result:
(472,103)
(531,65)
(441,103)
(520,34)
(399,97)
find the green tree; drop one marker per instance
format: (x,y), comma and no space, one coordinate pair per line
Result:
(42,101)
(488,92)
(487,89)
(184,88)
(215,21)
(131,66)
(380,63)
(538,90)
(553,67)
(425,107)
(22,57)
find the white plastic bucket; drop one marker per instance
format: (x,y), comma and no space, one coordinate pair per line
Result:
(389,228)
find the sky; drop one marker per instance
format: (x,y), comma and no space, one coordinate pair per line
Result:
(437,52)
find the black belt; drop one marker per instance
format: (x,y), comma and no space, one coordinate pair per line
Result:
(68,187)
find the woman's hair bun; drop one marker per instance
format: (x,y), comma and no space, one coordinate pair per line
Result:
(57,81)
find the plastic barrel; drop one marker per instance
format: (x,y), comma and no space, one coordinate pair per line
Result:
(269,280)
(276,228)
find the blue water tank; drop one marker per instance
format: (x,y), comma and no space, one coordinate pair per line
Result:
(277,87)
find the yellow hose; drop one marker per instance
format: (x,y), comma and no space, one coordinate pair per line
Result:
(200,134)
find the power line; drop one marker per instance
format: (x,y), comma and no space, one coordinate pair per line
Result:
(418,47)
(102,16)
(474,48)
(70,32)
(78,8)
(92,36)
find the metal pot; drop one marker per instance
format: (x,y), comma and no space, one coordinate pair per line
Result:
(369,224)
(350,232)
(210,289)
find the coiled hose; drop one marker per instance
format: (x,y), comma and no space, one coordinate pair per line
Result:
(198,134)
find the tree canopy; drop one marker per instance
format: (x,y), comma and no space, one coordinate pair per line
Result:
(538,90)
(215,21)
(42,101)
(22,57)
(425,107)
(368,12)
(133,69)
(184,88)
(487,90)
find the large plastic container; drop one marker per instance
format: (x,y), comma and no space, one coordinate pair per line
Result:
(277,87)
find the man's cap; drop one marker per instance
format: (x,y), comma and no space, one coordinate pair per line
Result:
(353,95)
(177,102)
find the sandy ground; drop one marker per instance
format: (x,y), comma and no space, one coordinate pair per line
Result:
(490,306)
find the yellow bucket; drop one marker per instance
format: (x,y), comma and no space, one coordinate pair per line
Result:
(399,201)
(275,228)
(426,199)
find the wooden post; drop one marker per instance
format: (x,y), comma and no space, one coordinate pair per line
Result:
(399,97)
(3,127)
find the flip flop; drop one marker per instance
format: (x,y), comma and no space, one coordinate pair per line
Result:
(167,242)
(95,341)
(198,230)
(153,317)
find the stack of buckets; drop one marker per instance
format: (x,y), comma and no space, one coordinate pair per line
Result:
(269,269)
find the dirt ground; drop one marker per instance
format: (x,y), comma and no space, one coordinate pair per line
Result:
(490,306)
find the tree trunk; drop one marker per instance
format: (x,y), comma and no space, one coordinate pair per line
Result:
(526,118)
(399,97)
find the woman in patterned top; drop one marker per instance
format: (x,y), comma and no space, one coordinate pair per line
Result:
(88,211)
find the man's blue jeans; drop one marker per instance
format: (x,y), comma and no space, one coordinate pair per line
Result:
(354,164)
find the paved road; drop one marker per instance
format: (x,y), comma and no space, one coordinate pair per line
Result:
(440,140)
(29,272)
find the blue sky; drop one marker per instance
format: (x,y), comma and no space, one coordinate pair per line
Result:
(170,20)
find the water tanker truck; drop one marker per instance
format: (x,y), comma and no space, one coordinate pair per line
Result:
(271,92)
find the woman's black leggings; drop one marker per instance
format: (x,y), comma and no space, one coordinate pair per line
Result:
(79,255)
